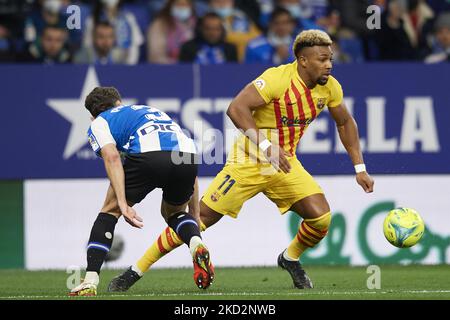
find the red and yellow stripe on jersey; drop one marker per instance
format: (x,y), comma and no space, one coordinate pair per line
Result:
(290,108)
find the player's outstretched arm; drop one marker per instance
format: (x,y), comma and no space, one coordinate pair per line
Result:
(116,175)
(240,112)
(348,133)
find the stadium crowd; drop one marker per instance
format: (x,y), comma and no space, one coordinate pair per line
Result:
(219,31)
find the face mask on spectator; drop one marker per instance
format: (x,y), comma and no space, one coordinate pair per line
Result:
(110,3)
(294,9)
(181,13)
(224,12)
(52,6)
(276,41)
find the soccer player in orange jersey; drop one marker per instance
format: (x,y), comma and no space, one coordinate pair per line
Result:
(273,112)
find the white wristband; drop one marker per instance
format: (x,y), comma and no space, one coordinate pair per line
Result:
(264,145)
(360,168)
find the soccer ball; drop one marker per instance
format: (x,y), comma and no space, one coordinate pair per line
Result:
(403,227)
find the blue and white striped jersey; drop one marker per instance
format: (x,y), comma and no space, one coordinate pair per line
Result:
(138,129)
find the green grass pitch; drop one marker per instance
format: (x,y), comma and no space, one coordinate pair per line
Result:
(331,282)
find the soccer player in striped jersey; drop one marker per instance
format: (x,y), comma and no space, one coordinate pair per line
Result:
(157,155)
(274,112)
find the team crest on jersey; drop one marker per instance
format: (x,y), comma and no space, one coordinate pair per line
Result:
(215,196)
(321,103)
(260,83)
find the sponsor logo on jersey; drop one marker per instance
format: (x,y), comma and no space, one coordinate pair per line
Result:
(296,122)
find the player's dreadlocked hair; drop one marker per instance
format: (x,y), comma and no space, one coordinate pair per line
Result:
(101,99)
(311,38)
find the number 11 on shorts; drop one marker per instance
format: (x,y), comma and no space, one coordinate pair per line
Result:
(231,182)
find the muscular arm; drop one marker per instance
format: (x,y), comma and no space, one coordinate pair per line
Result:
(240,112)
(116,175)
(348,133)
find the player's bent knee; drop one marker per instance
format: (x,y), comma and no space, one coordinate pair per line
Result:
(320,224)
(174,214)
(169,210)
(312,207)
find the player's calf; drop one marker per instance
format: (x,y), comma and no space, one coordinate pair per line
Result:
(100,241)
(310,233)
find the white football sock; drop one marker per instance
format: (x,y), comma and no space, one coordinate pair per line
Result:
(285,255)
(91,277)
(194,243)
(137,270)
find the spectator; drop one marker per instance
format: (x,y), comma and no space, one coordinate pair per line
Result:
(300,13)
(6,52)
(306,9)
(240,29)
(45,13)
(12,13)
(314,9)
(346,46)
(54,13)
(339,56)
(265,8)
(208,46)
(275,47)
(103,51)
(442,34)
(353,17)
(251,8)
(418,24)
(173,26)
(129,37)
(49,48)
(393,41)
(331,22)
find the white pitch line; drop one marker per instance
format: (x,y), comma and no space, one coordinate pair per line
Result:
(243,294)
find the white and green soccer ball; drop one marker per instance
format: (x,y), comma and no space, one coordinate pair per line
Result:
(403,227)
